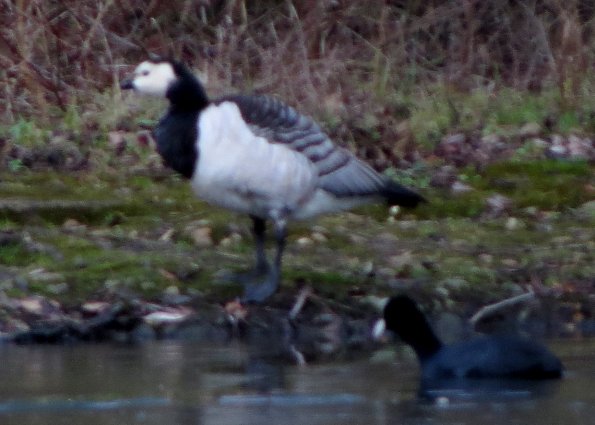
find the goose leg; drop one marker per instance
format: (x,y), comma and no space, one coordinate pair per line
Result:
(258,230)
(270,283)
(261,267)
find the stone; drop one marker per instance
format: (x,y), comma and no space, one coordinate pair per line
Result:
(454,139)
(159,318)
(58,288)
(72,224)
(233,239)
(318,237)
(116,141)
(510,262)
(459,188)
(586,210)
(530,129)
(444,177)
(304,242)
(491,140)
(95,307)
(486,258)
(579,148)
(201,236)
(398,261)
(514,223)
(498,204)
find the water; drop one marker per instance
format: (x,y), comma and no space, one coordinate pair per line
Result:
(184,383)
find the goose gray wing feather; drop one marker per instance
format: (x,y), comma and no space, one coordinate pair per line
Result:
(339,171)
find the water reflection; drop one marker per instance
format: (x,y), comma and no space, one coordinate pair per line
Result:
(185,384)
(460,390)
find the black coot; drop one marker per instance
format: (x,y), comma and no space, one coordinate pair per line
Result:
(483,357)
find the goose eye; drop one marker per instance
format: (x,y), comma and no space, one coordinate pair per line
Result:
(144,73)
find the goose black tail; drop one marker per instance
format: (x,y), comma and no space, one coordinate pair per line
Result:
(396,194)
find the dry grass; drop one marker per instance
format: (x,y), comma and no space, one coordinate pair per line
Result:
(354,61)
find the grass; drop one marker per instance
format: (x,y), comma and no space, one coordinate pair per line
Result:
(548,185)
(544,185)
(375,66)
(445,244)
(437,110)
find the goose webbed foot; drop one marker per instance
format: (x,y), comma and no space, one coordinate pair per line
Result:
(259,283)
(261,287)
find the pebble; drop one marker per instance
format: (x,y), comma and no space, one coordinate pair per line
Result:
(587,210)
(232,240)
(498,204)
(367,268)
(557,152)
(530,129)
(444,177)
(408,224)
(117,141)
(159,318)
(42,275)
(398,261)
(320,229)
(454,283)
(73,225)
(578,148)
(31,305)
(171,290)
(356,239)
(454,139)
(544,227)
(201,236)
(95,307)
(491,139)
(459,188)
(509,262)
(37,305)
(513,223)
(318,237)
(486,258)
(58,288)
(304,242)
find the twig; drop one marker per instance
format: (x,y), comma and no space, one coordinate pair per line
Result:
(501,305)
(299,302)
(298,357)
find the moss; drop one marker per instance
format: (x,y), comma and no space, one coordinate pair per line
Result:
(551,185)
(331,284)
(15,254)
(545,185)
(445,205)
(453,246)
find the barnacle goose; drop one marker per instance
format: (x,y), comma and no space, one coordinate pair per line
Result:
(256,155)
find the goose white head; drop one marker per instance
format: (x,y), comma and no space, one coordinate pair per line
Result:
(152,78)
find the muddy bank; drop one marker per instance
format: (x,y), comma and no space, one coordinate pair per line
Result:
(295,326)
(94,254)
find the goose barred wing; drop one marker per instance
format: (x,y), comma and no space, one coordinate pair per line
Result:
(340,173)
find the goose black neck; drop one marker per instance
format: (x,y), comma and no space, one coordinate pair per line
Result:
(187,93)
(403,316)
(177,132)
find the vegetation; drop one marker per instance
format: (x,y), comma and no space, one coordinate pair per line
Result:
(365,67)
